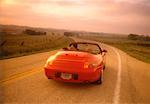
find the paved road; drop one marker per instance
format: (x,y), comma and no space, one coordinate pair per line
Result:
(126,81)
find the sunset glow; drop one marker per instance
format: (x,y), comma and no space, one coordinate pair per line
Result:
(8,2)
(116,16)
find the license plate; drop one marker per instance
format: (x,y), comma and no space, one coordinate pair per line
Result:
(66,76)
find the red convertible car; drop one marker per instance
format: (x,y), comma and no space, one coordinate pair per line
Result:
(79,62)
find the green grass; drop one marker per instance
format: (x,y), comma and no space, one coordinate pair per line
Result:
(135,48)
(20,45)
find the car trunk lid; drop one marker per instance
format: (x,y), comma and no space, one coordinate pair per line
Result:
(71,60)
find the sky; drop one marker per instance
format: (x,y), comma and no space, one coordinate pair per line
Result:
(110,16)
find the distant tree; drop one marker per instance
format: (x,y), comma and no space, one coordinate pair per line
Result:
(71,34)
(139,37)
(67,34)
(44,33)
(147,38)
(133,36)
(32,32)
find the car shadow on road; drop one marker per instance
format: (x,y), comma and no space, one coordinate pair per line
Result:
(74,85)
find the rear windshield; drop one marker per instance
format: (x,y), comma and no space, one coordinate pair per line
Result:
(90,48)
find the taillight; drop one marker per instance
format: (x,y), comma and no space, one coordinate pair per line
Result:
(50,63)
(92,65)
(88,65)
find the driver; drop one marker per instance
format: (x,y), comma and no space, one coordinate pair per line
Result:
(73,47)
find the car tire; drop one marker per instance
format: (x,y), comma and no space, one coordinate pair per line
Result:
(100,80)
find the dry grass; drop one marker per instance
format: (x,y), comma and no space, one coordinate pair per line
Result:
(19,45)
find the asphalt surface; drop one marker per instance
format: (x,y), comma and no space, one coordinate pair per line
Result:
(126,81)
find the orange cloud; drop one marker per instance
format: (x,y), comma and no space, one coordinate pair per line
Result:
(122,16)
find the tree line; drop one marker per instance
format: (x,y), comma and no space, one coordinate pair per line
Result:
(138,37)
(33,32)
(71,34)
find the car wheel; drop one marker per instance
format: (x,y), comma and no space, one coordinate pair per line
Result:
(100,80)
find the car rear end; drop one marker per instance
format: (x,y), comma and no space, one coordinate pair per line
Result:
(72,71)
(69,76)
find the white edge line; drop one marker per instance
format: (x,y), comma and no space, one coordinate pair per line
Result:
(116,98)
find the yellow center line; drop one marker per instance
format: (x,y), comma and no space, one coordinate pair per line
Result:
(19,76)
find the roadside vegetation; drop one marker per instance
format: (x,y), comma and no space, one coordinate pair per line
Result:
(137,46)
(29,41)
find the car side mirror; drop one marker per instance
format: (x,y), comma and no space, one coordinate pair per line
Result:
(104,50)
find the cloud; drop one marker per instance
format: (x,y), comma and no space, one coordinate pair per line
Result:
(93,15)
(133,8)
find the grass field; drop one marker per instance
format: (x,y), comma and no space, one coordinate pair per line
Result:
(135,48)
(20,45)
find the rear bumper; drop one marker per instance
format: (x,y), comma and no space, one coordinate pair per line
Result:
(77,77)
